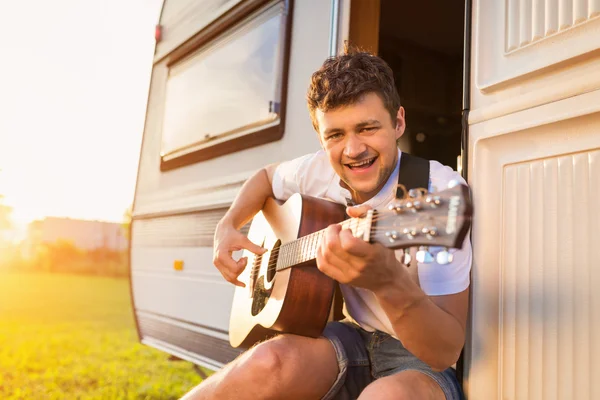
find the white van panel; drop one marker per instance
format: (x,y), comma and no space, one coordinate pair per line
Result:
(188,295)
(535,313)
(531,52)
(536,268)
(534,169)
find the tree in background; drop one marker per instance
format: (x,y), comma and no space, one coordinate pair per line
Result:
(126,224)
(7,250)
(5,214)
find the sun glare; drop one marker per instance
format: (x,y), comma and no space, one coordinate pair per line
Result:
(73,105)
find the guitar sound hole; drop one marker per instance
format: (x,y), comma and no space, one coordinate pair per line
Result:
(263,283)
(273,261)
(260,296)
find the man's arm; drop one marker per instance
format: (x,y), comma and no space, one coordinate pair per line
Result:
(249,201)
(430,327)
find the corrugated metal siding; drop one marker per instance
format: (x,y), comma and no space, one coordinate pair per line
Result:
(550,275)
(181,19)
(185,230)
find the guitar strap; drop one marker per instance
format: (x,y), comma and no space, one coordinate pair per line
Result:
(413,174)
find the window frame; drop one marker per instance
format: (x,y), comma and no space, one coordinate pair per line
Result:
(205,150)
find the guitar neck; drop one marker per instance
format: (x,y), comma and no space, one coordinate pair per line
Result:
(304,249)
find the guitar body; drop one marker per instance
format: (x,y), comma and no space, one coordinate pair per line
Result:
(286,293)
(294,300)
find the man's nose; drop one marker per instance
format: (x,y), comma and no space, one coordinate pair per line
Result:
(354,146)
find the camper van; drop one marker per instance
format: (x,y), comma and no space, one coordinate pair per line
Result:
(507,92)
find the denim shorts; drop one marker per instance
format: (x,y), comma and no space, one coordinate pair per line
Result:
(366,356)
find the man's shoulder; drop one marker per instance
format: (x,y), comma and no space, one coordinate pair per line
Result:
(317,157)
(311,161)
(310,174)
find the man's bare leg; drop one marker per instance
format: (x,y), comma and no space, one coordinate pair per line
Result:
(404,385)
(286,367)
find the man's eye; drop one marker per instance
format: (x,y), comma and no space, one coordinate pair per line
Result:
(369,129)
(334,136)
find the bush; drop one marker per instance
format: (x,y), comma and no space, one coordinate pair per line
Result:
(63,256)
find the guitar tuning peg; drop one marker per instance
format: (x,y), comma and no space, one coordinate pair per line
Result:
(392,236)
(410,232)
(433,200)
(406,258)
(398,208)
(417,192)
(424,256)
(430,231)
(444,257)
(414,193)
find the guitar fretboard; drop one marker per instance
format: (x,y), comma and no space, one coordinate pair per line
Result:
(305,248)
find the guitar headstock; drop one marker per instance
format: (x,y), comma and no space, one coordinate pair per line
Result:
(427,219)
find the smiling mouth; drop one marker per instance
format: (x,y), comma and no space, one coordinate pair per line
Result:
(363,164)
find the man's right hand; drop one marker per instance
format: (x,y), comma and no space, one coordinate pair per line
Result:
(227,240)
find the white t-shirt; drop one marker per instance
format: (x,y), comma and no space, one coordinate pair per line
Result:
(313,175)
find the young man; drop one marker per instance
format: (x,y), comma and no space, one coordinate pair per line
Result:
(405,327)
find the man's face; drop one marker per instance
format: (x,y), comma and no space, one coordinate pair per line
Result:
(360,141)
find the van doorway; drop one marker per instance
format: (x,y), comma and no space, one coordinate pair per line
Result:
(423,43)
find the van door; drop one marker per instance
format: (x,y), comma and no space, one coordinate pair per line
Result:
(534,170)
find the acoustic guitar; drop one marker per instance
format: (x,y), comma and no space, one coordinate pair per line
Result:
(286,293)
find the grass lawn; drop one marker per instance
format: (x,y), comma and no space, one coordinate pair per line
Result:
(73,337)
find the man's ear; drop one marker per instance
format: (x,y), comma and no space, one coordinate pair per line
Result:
(400,123)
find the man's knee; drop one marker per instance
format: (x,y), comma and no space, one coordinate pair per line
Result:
(269,361)
(381,390)
(265,358)
(257,373)
(403,386)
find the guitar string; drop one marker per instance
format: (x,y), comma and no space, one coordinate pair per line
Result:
(374,219)
(273,265)
(255,269)
(374,230)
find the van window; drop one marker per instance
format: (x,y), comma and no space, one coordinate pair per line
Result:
(227,90)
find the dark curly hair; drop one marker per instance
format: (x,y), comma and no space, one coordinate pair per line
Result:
(342,80)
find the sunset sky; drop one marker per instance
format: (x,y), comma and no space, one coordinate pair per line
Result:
(74,79)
